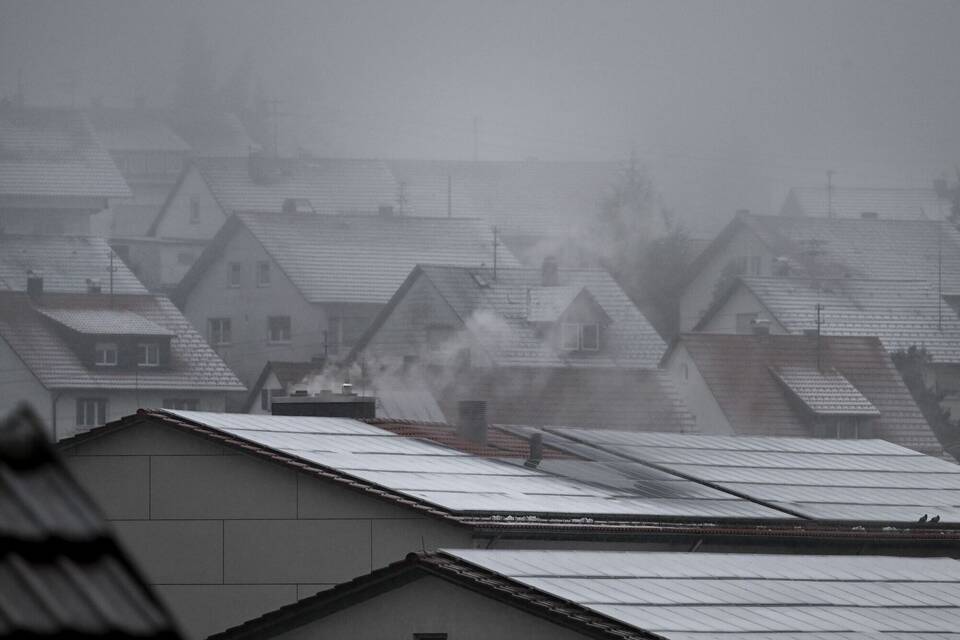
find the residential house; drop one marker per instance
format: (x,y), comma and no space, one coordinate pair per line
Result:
(540,346)
(54,173)
(398,399)
(64,574)
(275,286)
(796,385)
(785,246)
(902,313)
(211,189)
(328,499)
(885,203)
(547,594)
(149,155)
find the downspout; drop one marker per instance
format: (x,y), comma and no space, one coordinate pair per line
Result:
(53,413)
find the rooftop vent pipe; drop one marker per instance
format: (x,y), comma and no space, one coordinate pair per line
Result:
(535,455)
(34,283)
(472,424)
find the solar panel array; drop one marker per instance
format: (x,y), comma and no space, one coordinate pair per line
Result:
(865,480)
(693,596)
(456,481)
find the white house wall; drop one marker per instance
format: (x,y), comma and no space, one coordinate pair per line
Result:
(698,294)
(432,605)
(19,385)
(699,398)
(227,536)
(724,319)
(176,221)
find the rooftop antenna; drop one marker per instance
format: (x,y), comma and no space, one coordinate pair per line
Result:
(939,281)
(274,103)
(21,89)
(829,193)
(449,195)
(819,308)
(495,243)
(112,270)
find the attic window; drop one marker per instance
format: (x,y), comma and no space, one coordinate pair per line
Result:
(575,336)
(148,354)
(194,211)
(105,354)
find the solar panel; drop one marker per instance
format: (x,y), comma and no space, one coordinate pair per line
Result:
(463,483)
(683,595)
(865,480)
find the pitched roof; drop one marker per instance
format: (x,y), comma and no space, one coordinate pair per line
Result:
(496,313)
(674,596)
(65,262)
(822,479)
(25,327)
(547,304)
(333,186)
(851,248)
(360,259)
(211,133)
(899,312)
(736,369)
(134,130)
(98,321)
(526,198)
(852,202)
(53,152)
(499,443)
(824,392)
(62,574)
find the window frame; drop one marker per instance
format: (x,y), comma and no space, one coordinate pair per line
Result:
(219,322)
(181,404)
(234,275)
(194,210)
(570,330)
(82,416)
(144,348)
(270,327)
(263,268)
(105,348)
(583,342)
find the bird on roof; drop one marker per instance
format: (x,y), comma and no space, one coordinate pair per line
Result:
(922,519)
(934,519)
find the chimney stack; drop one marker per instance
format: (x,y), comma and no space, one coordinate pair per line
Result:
(34,283)
(472,424)
(93,285)
(535,456)
(550,272)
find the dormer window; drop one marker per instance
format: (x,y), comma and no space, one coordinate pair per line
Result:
(105,354)
(148,354)
(577,336)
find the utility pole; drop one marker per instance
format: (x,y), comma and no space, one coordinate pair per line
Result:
(939,281)
(476,138)
(495,243)
(112,270)
(829,193)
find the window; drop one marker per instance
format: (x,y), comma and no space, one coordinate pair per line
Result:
(233,274)
(105,354)
(263,274)
(278,329)
(755,265)
(745,322)
(194,211)
(181,404)
(91,412)
(218,331)
(148,354)
(575,336)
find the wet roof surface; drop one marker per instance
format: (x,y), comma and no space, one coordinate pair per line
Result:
(688,596)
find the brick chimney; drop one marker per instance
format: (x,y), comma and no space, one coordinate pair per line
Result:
(550,272)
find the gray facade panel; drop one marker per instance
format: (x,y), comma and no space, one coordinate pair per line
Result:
(295,551)
(119,484)
(203,610)
(394,539)
(229,486)
(147,439)
(175,551)
(323,499)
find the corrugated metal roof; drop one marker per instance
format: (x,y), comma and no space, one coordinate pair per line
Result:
(736,371)
(899,312)
(194,365)
(61,572)
(454,481)
(366,258)
(865,480)
(105,322)
(496,314)
(53,152)
(824,392)
(65,262)
(852,202)
(770,596)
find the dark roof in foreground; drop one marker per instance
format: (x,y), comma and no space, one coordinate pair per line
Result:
(677,596)
(737,370)
(355,258)
(62,574)
(53,152)
(859,480)
(26,326)
(888,203)
(66,263)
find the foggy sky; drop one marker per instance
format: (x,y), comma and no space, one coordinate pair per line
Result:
(727,103)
